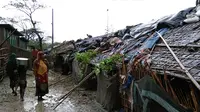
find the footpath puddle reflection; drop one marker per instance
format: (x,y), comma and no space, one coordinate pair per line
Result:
(39,107)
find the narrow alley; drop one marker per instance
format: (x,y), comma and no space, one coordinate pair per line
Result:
(79,101)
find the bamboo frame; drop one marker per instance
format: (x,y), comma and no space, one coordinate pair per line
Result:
(197,108)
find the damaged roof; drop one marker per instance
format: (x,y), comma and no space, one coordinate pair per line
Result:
(185,42)
(182,35)
(63,47)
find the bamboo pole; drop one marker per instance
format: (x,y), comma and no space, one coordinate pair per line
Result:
(66,95)
(179,62)
(194,99)
(165,79)
(173,92)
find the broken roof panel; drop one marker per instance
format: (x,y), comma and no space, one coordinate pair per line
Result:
(63,47)
(179,39)
(185,35)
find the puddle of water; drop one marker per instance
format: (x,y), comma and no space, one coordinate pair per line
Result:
(28,105)
(65,108)
(39,107)
(51,98)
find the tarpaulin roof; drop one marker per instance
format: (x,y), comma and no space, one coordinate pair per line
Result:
(135,39)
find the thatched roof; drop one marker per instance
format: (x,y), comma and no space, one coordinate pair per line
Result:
(63,47)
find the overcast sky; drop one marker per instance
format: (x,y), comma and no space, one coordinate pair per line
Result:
(76,18)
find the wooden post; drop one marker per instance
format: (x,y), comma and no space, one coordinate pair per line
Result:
(52,28)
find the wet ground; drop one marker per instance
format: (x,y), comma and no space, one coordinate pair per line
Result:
(79,101)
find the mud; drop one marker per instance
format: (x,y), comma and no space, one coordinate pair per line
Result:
(79,101)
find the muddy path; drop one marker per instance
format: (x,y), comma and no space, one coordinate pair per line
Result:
(79,101)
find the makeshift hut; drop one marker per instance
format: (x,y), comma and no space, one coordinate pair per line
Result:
(148,77)
(61,55)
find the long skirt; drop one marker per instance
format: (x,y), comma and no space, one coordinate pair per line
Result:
(41,88)
(13,79)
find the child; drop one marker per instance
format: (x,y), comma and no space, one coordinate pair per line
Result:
(22,80)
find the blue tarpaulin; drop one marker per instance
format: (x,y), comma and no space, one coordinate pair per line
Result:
(150,42)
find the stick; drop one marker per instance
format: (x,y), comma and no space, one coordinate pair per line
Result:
(57,81)
(166,80)
(157,79)
(194,99)
(66,95)
(173,93)
(179,62)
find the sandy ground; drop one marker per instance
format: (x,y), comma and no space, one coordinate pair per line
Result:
(78,101)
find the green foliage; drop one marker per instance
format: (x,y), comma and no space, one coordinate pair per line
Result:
(108,63)
(85,57)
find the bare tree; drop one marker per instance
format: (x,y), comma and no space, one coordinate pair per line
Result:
(2,20)
(28,8)
(22,24)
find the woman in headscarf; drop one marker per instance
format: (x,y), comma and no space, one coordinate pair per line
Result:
(41,75)
(11,70)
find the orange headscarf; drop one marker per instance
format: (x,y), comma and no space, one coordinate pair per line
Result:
(39,55)
(42,69)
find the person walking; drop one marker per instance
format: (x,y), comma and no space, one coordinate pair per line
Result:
(22,80)
(11,70)
(41,75)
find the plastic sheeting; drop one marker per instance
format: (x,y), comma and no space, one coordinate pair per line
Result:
(89,43)
(146,90)
(145,28)
(76,71)
(142,29)
(165,22)
(176,20)
(150,42)
(108,92)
